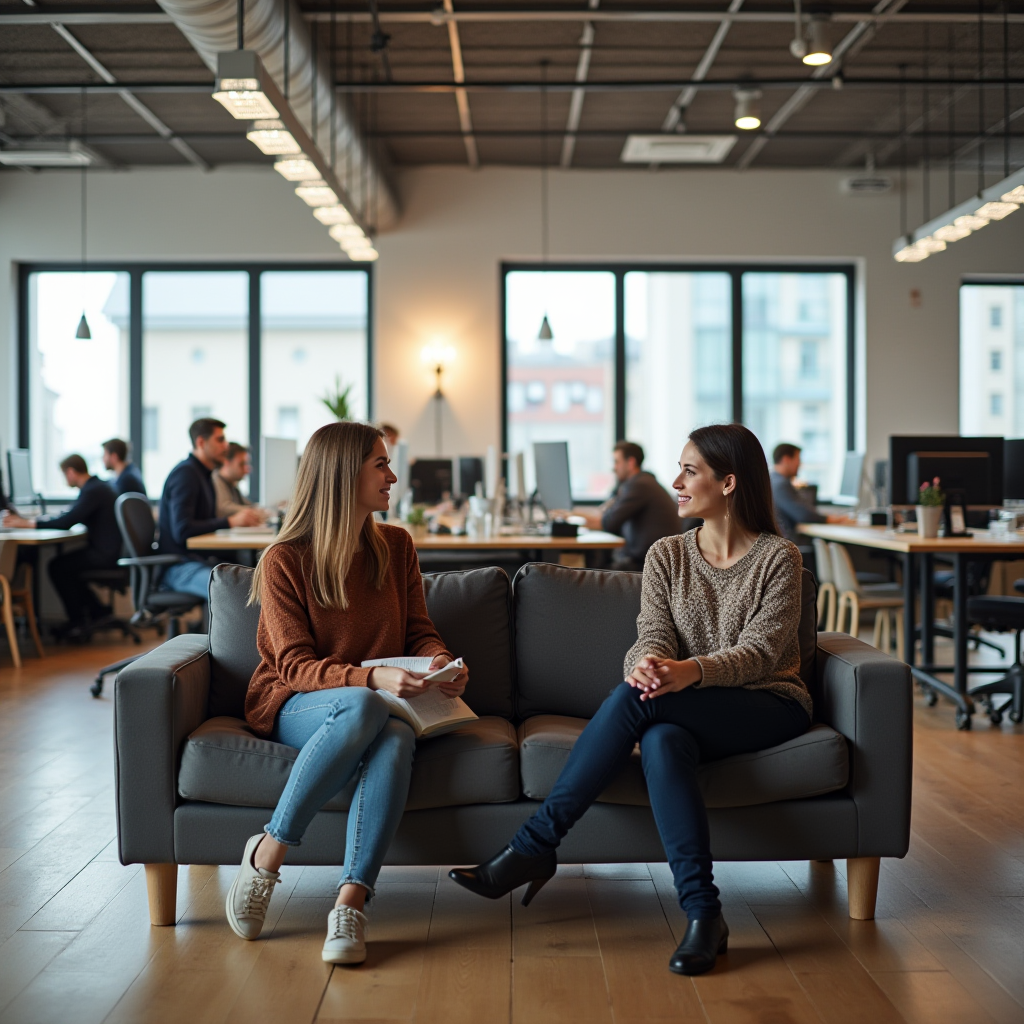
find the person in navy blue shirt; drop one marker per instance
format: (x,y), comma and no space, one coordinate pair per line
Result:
(94,509)
(126,479)
(188,508)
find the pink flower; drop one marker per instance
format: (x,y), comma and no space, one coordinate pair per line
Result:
(924,485)
(935,482)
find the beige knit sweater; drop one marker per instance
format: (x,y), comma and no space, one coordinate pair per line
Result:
(739,623)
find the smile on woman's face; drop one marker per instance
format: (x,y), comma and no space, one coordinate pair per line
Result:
(373,486)
(699,494)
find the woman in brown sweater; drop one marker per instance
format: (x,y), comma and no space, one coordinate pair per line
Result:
(336,589)
(714,672)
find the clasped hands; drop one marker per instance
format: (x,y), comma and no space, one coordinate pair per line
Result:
(655,676)
(409,684)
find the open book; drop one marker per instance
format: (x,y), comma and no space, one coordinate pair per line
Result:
(431,712)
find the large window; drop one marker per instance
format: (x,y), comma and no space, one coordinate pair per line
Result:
(992,359)
(257,347)
(676,348)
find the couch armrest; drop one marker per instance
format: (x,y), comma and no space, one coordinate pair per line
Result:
(867,696)
(158,701)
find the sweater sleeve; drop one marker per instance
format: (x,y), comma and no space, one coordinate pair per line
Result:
(285,618)
(656,634)
(421,637)
(764,636)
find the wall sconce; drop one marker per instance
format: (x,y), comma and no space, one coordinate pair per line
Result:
(439,356)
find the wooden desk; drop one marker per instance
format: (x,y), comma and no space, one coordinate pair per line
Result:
(34,538)
(959,551)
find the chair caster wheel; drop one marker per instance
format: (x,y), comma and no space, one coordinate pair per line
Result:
(963,720)
(931,698)
(1016,717)
(995,717)
(97,688)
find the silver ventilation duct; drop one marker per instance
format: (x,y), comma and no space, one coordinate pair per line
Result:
(211,27)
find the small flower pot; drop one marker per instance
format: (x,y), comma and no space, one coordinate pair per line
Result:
(928,519)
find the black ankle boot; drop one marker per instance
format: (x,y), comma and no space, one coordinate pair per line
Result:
(701,945)
(507,871)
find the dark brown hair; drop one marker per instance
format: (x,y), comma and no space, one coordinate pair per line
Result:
(204,428)
(75,462)
(732,448)
(785,451)
(234,448)
(116,447)
(630,450)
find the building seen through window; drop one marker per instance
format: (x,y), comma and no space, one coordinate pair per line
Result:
(992,359)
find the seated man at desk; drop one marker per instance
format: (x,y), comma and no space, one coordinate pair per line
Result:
(640,510)
(236,467)
(790,507)
(94,509)
(127,479)
(188,508)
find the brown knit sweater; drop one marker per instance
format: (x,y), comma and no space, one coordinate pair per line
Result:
(305,646)
(739,623)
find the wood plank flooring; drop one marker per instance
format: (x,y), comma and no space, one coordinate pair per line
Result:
(947,946)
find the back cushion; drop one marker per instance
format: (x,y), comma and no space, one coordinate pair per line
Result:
(573,628)
(471,611)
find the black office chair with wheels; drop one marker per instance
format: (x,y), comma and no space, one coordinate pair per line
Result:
(1001,615)
(979,572)
(116,580)
(152,606)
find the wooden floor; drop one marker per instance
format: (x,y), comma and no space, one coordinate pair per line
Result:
(76,945)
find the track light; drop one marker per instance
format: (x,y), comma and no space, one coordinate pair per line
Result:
(273,139)
(819,52)
(748,109)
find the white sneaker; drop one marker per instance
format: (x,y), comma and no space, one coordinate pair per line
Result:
(346,936)
(249,895)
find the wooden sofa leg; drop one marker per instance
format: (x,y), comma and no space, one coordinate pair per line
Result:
(862,886)
(162,886)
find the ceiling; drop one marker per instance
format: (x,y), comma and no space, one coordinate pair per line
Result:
(639,58)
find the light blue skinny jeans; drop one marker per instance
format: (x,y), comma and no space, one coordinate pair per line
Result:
(342,733)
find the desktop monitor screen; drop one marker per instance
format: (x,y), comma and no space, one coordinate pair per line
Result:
(849,489)
(471,473)
(1013,469)
(551,468)
(903,487)
(967,473)
(19,476)
(431,480)
(279,463)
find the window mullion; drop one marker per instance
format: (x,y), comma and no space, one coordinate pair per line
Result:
(736,277)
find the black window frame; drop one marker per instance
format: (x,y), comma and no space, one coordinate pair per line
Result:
(736,270)
(135,271)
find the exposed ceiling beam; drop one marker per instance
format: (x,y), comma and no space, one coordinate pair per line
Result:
(576,103)
(133,101)
(676,114)
(856,38)
(461,98)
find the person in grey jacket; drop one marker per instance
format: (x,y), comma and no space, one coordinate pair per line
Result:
(790,507)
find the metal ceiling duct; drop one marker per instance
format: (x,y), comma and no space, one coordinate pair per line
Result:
(211,27)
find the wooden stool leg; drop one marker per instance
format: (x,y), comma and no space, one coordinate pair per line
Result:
(841,612)
(878,635)
(30,610)
(162,886)
(830,615)
(862,886)
(8,613)
(900,639)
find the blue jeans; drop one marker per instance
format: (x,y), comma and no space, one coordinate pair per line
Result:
(676,732)
(188,578)
(345,732)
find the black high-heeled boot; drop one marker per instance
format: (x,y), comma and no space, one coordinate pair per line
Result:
(703,942)
(507,871)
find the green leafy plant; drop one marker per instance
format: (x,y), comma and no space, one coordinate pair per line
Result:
(931,494)
(416,516)
(338,400)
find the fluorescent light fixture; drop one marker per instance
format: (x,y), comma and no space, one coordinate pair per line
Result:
(333,215)
(350,242)
(366,255)
(244,99)
(43,154)
(299,168)
(344,232)
(819,52)
(317,193)
(748,109)
(1015,195)
(951,232)
(910,254)
(996,210)
(273,139)
(971,220)
(929,244)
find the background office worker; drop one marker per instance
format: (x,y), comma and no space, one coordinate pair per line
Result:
(188,508)
(640,510)
(236,467)
(127,479)
(94,509)
(790,507)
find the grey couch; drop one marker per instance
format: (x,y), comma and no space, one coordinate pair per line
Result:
(193,783)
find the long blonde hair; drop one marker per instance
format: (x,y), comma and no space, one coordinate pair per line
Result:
(322,514)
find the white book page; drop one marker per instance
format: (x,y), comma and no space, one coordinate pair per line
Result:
(405,664)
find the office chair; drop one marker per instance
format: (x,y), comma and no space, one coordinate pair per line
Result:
(152,606)
(1001,615)
(979,572)
(828,598)
(886,600)
(16,595)
(116,580)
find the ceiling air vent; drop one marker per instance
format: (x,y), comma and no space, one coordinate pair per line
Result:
(677,149)
(867,185)
(50,154)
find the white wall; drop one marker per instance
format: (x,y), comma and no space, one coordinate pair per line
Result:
(438,275)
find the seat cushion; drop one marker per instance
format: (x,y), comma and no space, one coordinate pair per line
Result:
(812,764)
(998,614)
(224,762)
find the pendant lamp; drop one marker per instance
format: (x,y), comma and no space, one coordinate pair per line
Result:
(545,333)
(83,333)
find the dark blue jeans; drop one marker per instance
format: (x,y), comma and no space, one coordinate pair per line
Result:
(676,732)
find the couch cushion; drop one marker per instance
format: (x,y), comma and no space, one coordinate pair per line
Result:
(816,762)
(471,611)
(224,762)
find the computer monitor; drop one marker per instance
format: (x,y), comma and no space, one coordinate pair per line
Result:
(431,480)
(279,463)
(551,471)
(471,473)
(1013,469)
(849,488)
(19,476)
(982,488)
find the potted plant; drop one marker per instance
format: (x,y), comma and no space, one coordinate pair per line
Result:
(338,400)
(931,500)
(417,520)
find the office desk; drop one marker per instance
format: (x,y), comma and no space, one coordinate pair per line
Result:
(34,538)
(959,551)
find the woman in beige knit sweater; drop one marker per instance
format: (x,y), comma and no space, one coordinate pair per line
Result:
(714,672)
